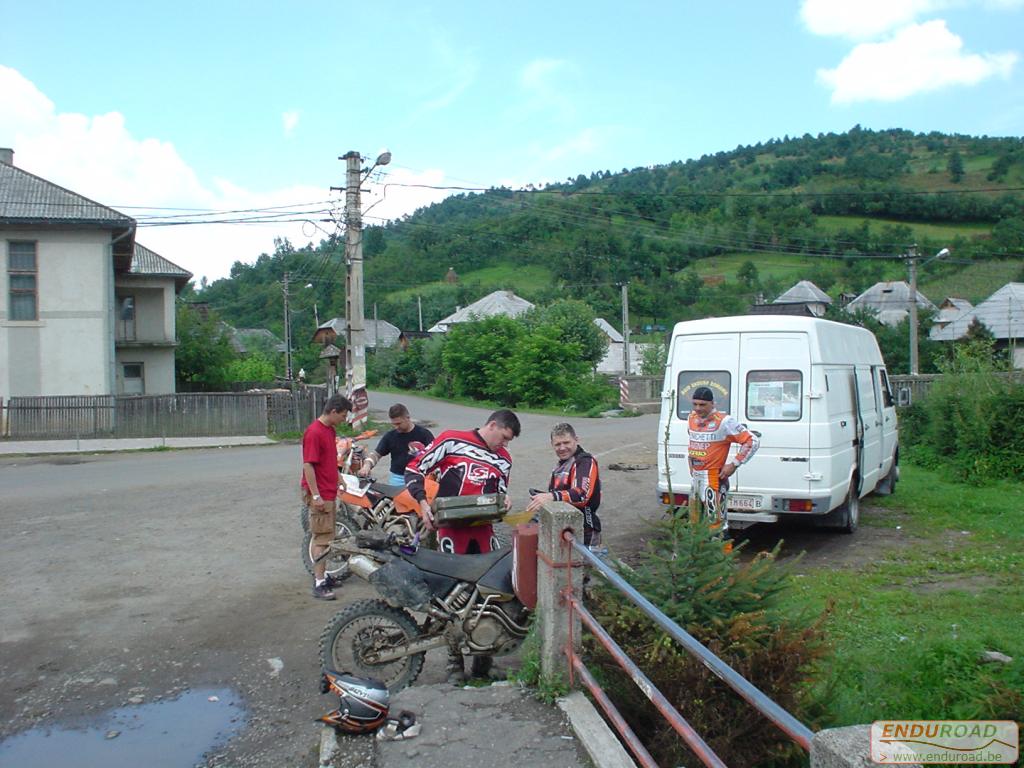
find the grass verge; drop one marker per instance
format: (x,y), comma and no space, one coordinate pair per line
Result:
(908,628)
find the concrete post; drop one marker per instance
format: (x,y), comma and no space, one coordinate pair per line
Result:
(848,747)
(552,612)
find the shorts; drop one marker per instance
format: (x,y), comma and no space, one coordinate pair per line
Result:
(321,524)
(712,494)
(467,540)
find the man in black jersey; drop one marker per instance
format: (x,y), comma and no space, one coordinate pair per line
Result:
(402,443)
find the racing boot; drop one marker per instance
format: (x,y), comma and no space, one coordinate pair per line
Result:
(456,672)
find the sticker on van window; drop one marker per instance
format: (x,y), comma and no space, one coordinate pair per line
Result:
(774,395)
(719,382)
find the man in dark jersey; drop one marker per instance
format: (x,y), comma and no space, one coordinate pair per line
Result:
(470,463)
(320,484)
(575,481)
(402,443)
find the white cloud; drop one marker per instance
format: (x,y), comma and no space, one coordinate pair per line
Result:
(917,59)
(537,73)
(98,157)
(583,143)
(861,19)
(290,121)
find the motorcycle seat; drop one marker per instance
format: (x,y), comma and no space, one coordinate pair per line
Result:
(459,567)
(387,490)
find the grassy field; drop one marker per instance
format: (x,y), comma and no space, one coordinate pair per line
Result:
(519,278)
(908,625)
(787,268)
(921,230)
(974,282)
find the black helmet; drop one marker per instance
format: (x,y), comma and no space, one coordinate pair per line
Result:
(363,702)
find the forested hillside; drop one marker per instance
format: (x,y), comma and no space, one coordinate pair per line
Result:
(694,238)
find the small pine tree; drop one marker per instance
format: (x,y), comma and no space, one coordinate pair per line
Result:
(955,166)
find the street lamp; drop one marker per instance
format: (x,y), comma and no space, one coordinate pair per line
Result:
(912,264)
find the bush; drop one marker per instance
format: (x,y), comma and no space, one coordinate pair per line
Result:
(734,610)
(971,422)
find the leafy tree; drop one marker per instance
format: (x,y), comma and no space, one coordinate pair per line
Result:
(955,166)
(574,322)
(256,367)
(476,356)
(204,353)
(652,359)
(747,274)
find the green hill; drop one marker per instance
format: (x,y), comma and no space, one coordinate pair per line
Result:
(694,238)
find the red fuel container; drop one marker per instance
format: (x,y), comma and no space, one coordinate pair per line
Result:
(524,563)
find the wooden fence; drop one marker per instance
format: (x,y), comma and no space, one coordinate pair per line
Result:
(180,415)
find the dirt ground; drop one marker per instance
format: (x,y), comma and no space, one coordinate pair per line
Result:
(128,578)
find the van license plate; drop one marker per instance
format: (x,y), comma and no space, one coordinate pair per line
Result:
(739,501)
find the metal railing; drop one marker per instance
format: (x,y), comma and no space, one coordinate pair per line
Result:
(792,727)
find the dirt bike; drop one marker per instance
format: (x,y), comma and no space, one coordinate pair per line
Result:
(364,505)
(468,600)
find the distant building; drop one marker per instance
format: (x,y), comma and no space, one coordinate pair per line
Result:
(612,362)
(248,340)
(949,310)
(405,338)
(889,301)
(1002,313)
(805,294)
(375,332)
(493,304)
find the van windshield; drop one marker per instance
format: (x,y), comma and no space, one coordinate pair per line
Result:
(719,382)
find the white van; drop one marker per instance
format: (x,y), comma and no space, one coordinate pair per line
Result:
(817,394)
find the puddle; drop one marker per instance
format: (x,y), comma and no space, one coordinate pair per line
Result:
(163,734)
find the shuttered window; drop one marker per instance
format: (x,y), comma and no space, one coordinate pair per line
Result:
(22,276)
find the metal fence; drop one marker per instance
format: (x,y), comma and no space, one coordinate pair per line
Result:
(179,415)
(782,719)
(911,389)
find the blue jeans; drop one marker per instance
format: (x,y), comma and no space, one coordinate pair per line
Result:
(394,479)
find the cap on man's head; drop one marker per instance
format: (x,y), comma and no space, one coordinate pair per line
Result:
(703,393)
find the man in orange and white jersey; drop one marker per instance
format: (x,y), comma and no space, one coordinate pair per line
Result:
(712,434)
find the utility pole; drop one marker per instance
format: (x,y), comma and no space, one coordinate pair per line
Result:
(912,264)
(419,310)
(625,329)
(287,332)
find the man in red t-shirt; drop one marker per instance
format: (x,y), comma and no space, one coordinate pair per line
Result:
(320,484)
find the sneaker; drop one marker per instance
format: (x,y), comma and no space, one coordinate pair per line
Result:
(331,581)
(323,591)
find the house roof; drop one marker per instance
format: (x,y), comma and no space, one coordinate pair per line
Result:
(1002,313)
(797,308)
(893,295)
(804,292)
(149,263)
(372,330)
(951,308)
(609,331)
(244,338)
(496,303)
(28,199)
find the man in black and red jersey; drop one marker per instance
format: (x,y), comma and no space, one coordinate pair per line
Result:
(575,481)
(469,463)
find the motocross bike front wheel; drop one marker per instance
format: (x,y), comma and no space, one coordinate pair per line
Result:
(337,563)
(366,626)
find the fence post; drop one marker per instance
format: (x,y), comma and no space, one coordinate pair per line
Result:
(553,579)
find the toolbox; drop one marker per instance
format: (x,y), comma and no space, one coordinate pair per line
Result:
(469,510)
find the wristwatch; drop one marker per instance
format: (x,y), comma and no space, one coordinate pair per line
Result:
(317,498)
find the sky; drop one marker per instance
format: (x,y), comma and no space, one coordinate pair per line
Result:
(191,109)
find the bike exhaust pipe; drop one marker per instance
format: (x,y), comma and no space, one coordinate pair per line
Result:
(362,566)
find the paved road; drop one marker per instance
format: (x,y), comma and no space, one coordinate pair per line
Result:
(139,575)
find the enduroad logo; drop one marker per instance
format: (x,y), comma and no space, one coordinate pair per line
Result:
(944,741)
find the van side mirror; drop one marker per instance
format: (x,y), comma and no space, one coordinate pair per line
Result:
(903,397)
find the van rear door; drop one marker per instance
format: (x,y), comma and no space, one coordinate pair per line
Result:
(771,398)
(708,360)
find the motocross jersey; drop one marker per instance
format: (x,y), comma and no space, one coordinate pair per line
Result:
(576,482)
(467,467)
(711,438)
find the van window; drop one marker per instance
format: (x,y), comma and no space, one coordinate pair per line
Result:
(720,382)
(775,395)
(887,401)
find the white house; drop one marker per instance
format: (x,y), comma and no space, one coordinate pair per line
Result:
(612,362)
(807,294)
(87,310)
(1002,313)
(496,303)
(890,301)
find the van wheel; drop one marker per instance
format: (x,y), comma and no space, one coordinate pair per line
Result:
(847,515)
(887,486)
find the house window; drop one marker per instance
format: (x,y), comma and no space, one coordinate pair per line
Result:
(21,280)
(126,319)
(133,379)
